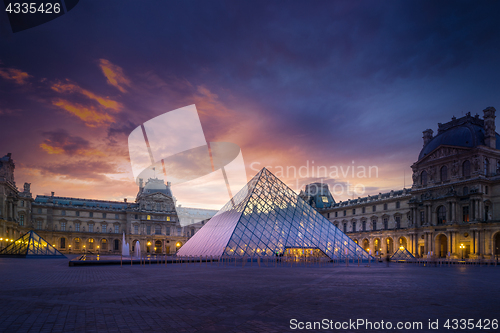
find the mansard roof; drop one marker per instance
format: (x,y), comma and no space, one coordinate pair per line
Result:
(467,132)
(78,202)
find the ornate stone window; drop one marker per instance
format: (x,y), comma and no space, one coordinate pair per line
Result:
(423,178)
(441,215)
(466,169)
(444,173)
(374,224)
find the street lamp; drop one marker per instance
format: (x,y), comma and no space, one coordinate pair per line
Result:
(462,247)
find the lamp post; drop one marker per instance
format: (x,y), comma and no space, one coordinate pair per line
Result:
(462,247)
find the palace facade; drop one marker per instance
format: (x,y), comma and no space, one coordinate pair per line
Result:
(75,225)
(453,207)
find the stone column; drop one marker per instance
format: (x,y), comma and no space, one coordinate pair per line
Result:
(454,212)
(481,210)
(476,210)
(448,234)
(476,242)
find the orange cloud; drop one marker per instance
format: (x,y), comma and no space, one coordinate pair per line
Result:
(51,150)
(208,103)
(114,74)
(89,115)
(73,88)
(16,75)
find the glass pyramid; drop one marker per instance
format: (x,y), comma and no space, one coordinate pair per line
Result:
(402,254)
(266,218)
(31,245)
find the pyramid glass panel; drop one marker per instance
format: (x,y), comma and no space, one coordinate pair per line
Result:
(31,245)
(265,219)
(402,254)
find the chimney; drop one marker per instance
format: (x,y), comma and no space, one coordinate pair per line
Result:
(490,138)
(52,194)
(427,136)
(125,200)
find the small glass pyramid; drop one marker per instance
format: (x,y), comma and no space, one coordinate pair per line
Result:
(31,245)
(402,254)
(266,218)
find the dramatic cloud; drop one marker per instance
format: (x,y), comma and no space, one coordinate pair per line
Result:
(89,115)
(61,142)
(15,75)
(114,74)
(73,88)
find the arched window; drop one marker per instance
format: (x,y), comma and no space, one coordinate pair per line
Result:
(117,244)
(423,178)
(444,173)
(466,169)
(441,215)
(486,167)
(104,244)
(77,243)
(91,244)
(63,243)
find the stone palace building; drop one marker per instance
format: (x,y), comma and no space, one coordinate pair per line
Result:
(452,209)
(75,225)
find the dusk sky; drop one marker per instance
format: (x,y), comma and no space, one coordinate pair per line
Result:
(290,82)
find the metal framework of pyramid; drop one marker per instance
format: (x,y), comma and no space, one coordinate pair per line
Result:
(31,245)
(402,254)
(265,218)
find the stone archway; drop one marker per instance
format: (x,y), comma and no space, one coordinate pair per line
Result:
(158,246)
(402,242)
(496,244)
(377,246)
(366,245)
(441,246)
(389,245)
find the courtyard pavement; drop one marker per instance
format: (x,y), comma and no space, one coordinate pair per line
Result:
(46,295)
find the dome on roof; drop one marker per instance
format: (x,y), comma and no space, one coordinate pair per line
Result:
(464,134)
(155,185)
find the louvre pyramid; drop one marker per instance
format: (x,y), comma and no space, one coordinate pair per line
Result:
(31,245)
(265,218)
(402,254)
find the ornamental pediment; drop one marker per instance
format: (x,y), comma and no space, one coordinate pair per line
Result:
(443,151)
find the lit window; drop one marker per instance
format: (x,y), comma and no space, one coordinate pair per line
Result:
(104,244)
(91,242)
(324,199)
(168,218)
(149,217)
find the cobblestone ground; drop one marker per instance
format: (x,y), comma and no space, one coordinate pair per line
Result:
(48,296)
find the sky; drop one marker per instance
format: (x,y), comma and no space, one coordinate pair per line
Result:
(332,84)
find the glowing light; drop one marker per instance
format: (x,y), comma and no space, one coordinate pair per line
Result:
(178,244)
(149,243)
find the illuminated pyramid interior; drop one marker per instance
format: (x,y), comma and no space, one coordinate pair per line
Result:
(31,245)
(402,254)
(267,218)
